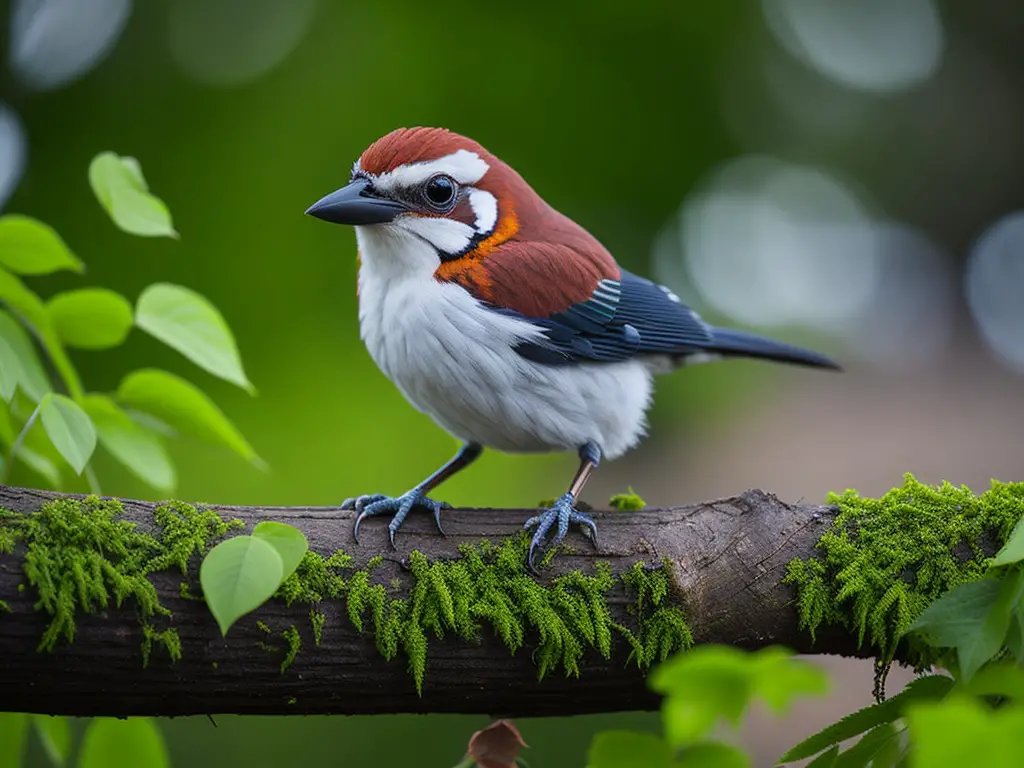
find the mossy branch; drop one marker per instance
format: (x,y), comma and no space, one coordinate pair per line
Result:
(103,616)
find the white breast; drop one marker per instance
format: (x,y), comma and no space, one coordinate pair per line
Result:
(454,360)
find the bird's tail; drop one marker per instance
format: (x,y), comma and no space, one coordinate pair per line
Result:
(732,343)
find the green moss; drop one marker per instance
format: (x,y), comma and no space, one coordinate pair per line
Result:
(262,627)
(316,621)
(4,607)
(627,502)
(661,626)
(488,589)
(883,560)
(293,644)
(168,639)
(80,557)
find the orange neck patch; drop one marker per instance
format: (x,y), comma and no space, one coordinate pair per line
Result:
(468,270)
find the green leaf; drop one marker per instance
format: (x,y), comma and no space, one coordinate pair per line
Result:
(69,428)
(90,318)
(122,191)
(1015,634)
(131,743)
(136,447)
(826,759)
(188,322)
(42,466)
(13,730)
(183,406)
(30,247)
(931,687)
(961,619)
(1003,679)
(627,749)
(238,576)
(10,371)
(961,732)
(778,679)
(34,460)
(712,682)
(290,543)
(1013,549)
(55,736)
(23,301)
(30,375)
(713,754)
(33,312)
(878,747)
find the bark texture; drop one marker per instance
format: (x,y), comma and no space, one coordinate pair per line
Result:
(727,557)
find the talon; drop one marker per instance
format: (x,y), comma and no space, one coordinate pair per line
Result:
(371,505)
(563,513)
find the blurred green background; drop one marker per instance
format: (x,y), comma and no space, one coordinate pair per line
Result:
(826,176)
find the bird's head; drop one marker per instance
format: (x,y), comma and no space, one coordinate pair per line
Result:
(427,196)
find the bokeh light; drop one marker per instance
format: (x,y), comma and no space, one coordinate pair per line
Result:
(233,42)
(54,42)
(908,321)
(871,45)
(13,149)
(994,283)
(773,243)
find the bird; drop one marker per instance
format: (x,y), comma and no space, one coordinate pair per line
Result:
(508,323)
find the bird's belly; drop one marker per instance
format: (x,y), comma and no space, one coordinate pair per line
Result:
(453,360)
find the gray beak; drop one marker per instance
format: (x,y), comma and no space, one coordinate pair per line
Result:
(356,203)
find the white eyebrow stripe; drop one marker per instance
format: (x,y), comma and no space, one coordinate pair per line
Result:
(464,166)
(485,209)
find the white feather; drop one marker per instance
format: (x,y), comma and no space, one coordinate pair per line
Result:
(464,166)
(454,360)
(446,235)
(485,209)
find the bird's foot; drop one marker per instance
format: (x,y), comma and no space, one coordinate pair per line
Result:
(563,512)
(378,504)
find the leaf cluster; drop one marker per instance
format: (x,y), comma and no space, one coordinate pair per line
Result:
(107,742)
(52,425)
(703,688)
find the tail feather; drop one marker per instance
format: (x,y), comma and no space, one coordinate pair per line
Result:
(732,343)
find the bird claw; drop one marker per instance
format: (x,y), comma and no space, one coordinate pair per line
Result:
(563,512)
(371,505)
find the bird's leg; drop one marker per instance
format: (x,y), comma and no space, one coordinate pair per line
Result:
(400,506)
(563,511)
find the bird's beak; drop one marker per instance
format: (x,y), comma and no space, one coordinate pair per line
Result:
(356,203)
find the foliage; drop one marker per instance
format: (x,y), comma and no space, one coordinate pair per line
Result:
(49,431)
(884,560)
(106,742)
(703,687)
(242,573)
(55,735)
(110,743)
(120,187)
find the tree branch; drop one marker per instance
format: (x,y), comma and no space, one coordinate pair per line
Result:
(727,559)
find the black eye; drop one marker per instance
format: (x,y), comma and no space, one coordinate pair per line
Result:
(439,191)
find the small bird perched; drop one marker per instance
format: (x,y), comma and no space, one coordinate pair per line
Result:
(506,322)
